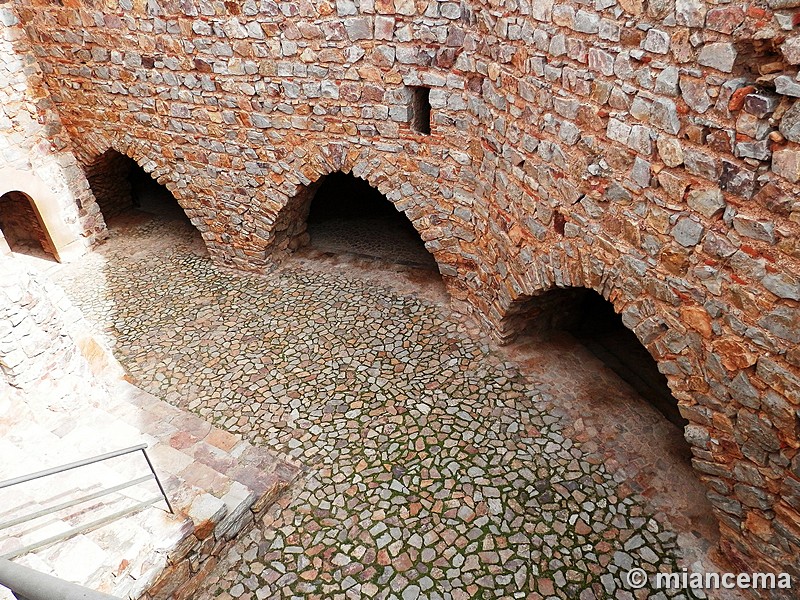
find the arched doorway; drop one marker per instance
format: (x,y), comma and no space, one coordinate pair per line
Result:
(120,185)
(348,215)
(609,388)
(592,321)
(22,227)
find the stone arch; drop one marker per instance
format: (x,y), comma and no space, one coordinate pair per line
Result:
(20,222)
(716,430)
(153,164)
(64,240)
(294,201)
(156,167)
(564,269)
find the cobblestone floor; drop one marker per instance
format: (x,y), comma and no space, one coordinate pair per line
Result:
(435,468)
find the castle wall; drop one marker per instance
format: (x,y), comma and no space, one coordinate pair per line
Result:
(35,153)
(40,338)
(648,151)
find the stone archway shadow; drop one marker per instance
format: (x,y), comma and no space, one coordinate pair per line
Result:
(291,204)
(126,179)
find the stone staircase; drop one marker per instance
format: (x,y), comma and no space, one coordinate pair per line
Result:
(218,484)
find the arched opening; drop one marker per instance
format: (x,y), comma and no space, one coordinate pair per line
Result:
(347,215)
(609,389)
(592,320)
(120,186)
(23,228)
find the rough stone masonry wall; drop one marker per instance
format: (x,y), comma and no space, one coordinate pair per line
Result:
(647,150)
(34,148)
(39,355)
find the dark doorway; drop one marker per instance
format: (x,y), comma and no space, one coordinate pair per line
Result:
(601,330)
(22,227)
(348,215)
(119,184)
(592,320)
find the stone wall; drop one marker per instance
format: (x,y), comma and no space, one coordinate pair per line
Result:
(35,150)
(40,333)
(647,150)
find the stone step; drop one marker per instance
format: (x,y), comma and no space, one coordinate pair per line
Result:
(215,480)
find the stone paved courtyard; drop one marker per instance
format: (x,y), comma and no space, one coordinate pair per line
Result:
(436,466)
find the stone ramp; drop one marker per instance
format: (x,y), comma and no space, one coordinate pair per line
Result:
(217,483)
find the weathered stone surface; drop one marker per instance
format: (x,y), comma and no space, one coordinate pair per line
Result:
(755,228)
(783,321)
(708,202)
(667,82)
(665,115)
(760,105)
(656,41)
(725,19)
(670,151)
(718,55)
(759,150)
(786,163)
(790,49)
(542,10)
(687,232)
(691,13)
(737,179)
(787,86)
(790,123)
(783,286)
(695,94)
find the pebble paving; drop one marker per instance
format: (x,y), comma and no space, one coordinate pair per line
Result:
(433,469)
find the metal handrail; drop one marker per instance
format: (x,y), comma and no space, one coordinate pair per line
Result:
(73,465)
(28,584)
(94,524)
(75,502)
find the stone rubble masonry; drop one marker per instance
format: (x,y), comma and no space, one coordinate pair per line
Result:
(634,148)
(39,333)
(35,149)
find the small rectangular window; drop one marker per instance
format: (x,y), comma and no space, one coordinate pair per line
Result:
(421,110)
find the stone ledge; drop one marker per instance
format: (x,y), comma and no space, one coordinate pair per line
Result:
(218,484)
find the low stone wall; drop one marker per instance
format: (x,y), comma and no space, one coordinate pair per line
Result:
(37,350)
(216,527)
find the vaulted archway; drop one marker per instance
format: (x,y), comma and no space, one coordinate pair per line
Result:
(119,184)
(592,320)
(348,215)
(617,396)
(344,214)
(22,227)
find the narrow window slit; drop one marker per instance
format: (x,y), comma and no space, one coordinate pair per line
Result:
(421,110)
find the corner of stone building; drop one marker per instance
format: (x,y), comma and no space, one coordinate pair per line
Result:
(36,156)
